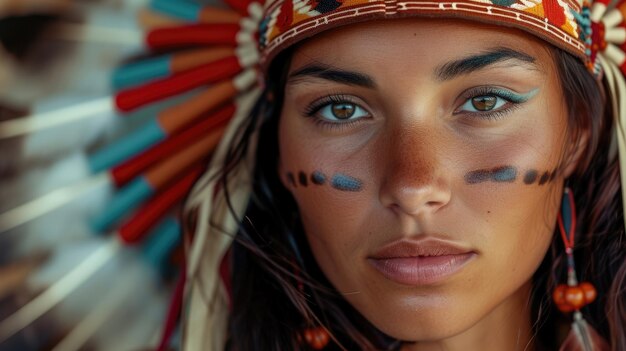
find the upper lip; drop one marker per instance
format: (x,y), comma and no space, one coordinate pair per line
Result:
(428,246)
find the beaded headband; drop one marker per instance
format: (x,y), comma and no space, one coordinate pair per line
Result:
(220,55)
(288,21)
(583,29)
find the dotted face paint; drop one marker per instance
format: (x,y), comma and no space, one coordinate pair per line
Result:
(338,181)
(544,178)
(303,178)
(504,174)
(508,174)
(530,176)
(346,183)
(318,178)
(292,179)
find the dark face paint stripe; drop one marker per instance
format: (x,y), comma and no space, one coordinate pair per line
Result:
(505,174)
(292,179)
(303,179)
(552,176)
(544,178)
(531,176)
(476,177)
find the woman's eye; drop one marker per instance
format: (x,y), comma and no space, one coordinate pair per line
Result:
(342,111)
(483,103)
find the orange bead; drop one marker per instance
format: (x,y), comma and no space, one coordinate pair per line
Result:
(317,338)
(558,296)
(308,335)
(565,308)
(589,291)
(575,297)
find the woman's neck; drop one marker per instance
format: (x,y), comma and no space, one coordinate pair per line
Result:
(506,327)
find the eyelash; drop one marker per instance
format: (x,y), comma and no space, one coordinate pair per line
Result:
(312,109)
(513,101)
(318,104)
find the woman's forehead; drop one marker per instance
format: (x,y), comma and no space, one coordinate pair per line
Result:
(440,47)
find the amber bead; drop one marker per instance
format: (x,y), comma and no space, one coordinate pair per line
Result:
(566,308)
(317,338)
(571,298)
(575,297)
(589,291)
(559,294)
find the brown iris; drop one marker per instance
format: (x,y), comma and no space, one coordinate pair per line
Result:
(484,103)
(343,111)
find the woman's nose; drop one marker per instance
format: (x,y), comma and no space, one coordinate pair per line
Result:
(414,180)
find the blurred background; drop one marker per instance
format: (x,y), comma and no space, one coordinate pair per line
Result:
(64,285)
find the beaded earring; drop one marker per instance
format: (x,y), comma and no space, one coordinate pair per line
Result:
(571,297)
(316,337)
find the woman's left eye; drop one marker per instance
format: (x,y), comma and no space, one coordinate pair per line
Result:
(492,102)
(483,103)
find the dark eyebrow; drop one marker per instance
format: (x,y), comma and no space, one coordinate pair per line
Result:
(473,63)
(334,75)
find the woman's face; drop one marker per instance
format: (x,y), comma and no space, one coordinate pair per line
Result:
(424,158)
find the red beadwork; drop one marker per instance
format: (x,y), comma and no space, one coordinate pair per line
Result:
(597,40)
(598,32)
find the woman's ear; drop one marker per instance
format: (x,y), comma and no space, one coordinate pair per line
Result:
(575,150)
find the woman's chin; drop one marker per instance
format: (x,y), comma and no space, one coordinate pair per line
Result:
(420,318)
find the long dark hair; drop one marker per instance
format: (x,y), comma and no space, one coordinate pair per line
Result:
(278,289)
(600,250)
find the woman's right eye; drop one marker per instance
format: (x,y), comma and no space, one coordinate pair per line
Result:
(336,110)
(342,111)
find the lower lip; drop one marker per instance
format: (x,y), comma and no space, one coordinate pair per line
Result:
(422,270)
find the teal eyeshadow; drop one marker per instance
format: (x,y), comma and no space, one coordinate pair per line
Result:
(514,97)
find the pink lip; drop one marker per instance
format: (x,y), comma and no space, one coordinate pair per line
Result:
(420,262)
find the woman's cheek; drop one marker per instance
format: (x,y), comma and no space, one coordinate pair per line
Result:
(333,213)
(333,192)
(329,201)
(504,171)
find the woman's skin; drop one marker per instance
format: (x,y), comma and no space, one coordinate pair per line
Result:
(435,131)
